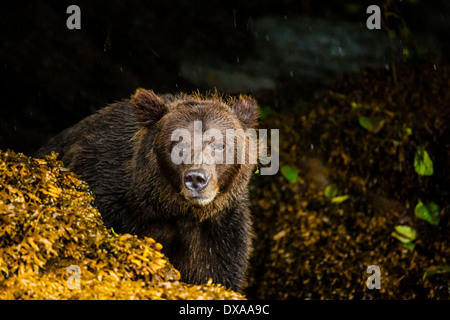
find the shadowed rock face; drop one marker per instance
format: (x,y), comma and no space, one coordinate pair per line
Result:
(301,48)
(54,77)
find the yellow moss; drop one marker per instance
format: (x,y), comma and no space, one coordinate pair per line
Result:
(48,222)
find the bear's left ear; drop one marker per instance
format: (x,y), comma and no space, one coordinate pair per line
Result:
(148,107)
(246,110)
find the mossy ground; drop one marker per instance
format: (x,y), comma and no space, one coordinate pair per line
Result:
(48,222)
(305,245)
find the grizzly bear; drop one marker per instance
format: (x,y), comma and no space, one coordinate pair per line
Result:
(198,211)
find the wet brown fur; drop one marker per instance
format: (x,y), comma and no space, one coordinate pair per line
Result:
(123,152)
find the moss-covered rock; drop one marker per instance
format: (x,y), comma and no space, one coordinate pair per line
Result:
(316,237)
(48,223)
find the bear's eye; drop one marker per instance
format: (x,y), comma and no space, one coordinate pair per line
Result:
(218,148)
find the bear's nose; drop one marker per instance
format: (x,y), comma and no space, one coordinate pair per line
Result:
(196,179)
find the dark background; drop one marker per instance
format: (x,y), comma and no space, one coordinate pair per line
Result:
(308,63)
(52,77)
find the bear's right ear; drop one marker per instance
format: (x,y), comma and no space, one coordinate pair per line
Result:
(246,109)
(148,107)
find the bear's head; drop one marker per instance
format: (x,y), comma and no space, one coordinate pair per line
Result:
(193,154)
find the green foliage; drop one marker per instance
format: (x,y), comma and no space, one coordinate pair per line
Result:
(408,131)
(355,105)
(422,162)
(428,212)
(308,235)
(340,199)
(366,123)
(265,112)
(330,191)
(409,245)
(406,235)
(289,173)
(114,233)
(431,271)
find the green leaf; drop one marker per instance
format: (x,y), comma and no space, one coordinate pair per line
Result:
(406,53)
(366,123)
(290,174)
(431,271)
(406,232)
(409,245)
(340,199)
(408,131)
(114,233)
(330,191)
(428,212)
(337,95)
(422,162)
(356,105)
(257,171)
(265,111)
(406,235)
(400,237)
